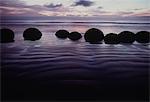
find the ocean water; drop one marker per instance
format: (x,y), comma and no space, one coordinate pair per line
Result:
(51,26)
(56,69)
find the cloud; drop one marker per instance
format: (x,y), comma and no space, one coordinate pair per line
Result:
(17,8)
(84,3)
(100,7)
(143,13)
(137,9)
(13,3)
(124,13)
(53,5)
(14,11)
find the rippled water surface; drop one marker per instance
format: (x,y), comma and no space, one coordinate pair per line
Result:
(74,70)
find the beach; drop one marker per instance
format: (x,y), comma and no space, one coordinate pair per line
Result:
(57,69)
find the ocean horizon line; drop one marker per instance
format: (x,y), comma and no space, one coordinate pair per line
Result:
(97,22)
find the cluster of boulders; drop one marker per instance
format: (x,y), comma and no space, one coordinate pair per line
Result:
(92,35)
(63,34)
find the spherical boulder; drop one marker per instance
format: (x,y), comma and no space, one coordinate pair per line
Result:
(93,35)
(111,38)
(6,35)
(126,37)
(142,37)
(32,34)
(63,34)
(74,36)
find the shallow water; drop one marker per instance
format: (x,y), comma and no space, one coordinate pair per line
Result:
(55,69)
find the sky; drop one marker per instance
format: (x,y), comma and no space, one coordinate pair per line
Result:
(74,8)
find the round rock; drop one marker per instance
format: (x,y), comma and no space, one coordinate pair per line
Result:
(32,34)
(126,37)
(93,35)
(143,37)
(74,36)
(63,34)
(6,35)
(111,38)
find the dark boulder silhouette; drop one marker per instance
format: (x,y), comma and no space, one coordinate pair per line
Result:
(63,34)
(126,37)
(94,35)
(111,38)
(142,37)
(6,35)
(74,36)
(32,34)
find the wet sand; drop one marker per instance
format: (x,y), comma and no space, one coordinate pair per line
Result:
(66,70)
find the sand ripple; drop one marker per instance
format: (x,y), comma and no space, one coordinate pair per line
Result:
(77,62)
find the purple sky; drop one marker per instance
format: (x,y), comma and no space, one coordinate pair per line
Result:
(79,8)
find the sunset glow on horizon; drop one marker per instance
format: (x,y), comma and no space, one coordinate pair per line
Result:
(80,8)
